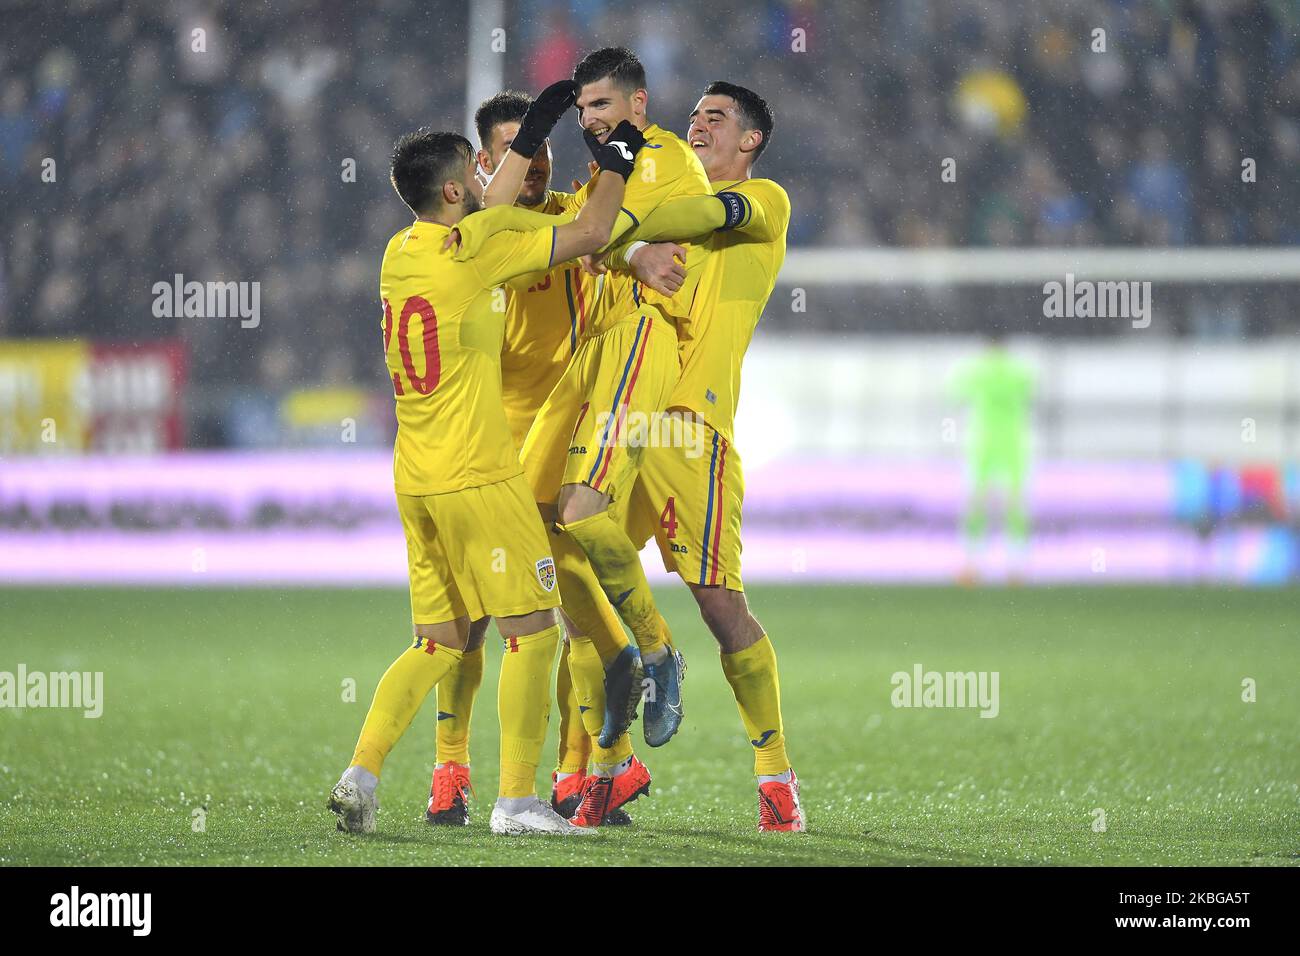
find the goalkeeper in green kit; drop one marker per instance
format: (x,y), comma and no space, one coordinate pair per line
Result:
(997,389)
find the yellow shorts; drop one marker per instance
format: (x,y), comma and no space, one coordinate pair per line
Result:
(587,431)
(688,497)
(477,552)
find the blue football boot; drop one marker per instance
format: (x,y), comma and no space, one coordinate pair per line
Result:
(663,701)
(623,680)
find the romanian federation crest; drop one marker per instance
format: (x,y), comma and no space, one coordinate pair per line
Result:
(546,573)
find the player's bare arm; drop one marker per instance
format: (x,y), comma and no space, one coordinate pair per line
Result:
(592,228)
(659,265)
(503,188)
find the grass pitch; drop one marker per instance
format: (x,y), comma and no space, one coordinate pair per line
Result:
(1123,701)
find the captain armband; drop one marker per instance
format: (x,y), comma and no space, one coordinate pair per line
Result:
(737,209)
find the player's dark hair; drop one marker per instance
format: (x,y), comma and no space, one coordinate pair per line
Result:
(616,62)
(753,109)
(422,162)
(508,106)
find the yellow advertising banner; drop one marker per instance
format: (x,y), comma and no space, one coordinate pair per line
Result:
(42,396)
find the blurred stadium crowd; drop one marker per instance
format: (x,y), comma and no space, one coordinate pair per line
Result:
(228,164)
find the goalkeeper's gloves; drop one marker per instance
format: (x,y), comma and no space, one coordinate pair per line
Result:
(618,152)
(543,113)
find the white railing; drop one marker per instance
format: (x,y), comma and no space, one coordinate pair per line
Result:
(1142,398)
(842,266)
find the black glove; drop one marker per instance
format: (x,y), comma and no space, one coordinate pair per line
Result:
(542,115)
(618,153)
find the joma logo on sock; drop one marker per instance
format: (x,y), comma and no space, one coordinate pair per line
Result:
(103,909)
(75,690)
(923,688)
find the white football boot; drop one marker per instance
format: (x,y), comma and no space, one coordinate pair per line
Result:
(355,805)
(534,817)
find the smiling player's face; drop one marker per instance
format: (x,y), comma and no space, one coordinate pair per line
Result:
(538,178)
(715,132)
(602,106)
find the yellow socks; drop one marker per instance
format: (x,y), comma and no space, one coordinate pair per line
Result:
(752,676)
(575,743)
(589,686)
(524,706)
(399,695)
(604,761)
(584,601)
(456,694)
(588,678)
(600,639)
(618,567)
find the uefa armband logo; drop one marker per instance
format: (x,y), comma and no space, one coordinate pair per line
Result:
(546,573)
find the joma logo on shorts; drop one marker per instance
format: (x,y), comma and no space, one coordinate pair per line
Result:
(676,548)
(577,449)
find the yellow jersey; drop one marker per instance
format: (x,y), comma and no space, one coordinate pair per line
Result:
(665,168)
(734,285)
(443,326)
(546,316)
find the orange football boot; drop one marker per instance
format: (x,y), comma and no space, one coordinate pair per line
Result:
(603,798)
(779,809)
(449,796)
(566,797)
(566,794)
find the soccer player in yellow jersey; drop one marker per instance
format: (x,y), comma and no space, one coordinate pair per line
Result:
(475,543)
(691,502)
(579,455)
(546,314)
